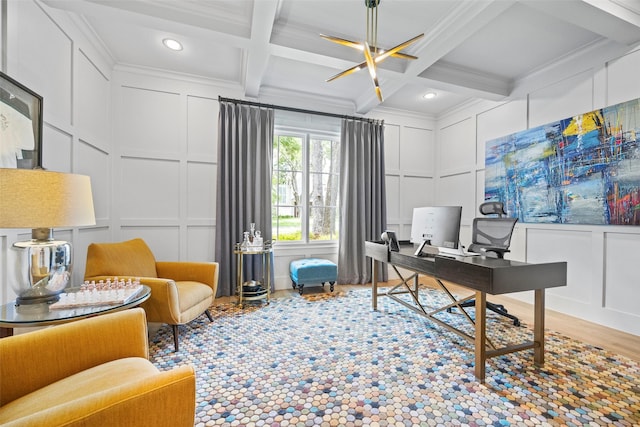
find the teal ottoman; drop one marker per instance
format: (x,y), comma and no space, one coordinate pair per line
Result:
(312,270)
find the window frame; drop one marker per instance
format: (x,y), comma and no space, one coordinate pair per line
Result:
(307,135)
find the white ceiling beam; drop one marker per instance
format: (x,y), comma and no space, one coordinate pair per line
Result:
(486,86)
(617,23)
(264,16)
(464,21)
(140,18)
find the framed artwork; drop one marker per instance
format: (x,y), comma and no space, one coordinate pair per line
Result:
(579,170)
(20,125)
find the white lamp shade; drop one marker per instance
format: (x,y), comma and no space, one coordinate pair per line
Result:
(32,198)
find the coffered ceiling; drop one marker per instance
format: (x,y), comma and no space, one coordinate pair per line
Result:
(473,49)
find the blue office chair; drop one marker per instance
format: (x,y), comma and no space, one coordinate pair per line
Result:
(491,236)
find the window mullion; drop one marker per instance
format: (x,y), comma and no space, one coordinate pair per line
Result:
(305,189)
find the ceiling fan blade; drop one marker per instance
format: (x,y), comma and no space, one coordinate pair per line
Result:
(342,41)
(398,48)
(351,70)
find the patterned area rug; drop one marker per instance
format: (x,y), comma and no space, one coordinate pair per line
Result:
(330,360)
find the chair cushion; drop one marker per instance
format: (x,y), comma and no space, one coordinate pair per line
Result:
(76,387)
(313,270)
(130,258)
(194,298)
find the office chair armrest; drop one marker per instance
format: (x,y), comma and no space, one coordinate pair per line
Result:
(498,251)
(483,249)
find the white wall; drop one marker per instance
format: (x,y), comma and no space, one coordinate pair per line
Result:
(410,168)
(48,53)
(602,280)
(148,139)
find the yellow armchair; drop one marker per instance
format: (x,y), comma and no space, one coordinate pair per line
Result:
(180,291)
(92,372)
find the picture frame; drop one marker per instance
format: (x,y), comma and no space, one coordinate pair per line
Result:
(20,125)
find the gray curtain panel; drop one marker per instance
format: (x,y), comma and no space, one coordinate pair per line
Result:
(245,142)
(363,209)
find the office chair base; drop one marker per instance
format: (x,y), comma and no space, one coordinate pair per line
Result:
(496,308)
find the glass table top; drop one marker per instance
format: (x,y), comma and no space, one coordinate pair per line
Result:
(15,316)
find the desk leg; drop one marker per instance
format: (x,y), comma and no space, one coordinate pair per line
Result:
(6,332)
(481,335)
(538,327)
(374,284)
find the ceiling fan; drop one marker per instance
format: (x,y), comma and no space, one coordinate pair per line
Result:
(373,54)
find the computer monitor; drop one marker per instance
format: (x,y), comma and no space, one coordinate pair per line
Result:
(439,226)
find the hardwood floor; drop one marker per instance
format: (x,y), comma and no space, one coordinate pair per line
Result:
(591,333)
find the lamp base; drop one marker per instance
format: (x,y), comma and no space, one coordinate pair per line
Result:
(42,299)
(43,268)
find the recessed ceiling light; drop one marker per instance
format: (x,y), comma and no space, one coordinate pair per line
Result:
(430,95)
(172,44)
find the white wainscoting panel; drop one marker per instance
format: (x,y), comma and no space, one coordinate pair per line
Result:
(137,200)
(56,149)
(201,243)
(163,241)
(421,191)
(621,284)
(92,95)
(457,146)
(201,191)
(85,237)
(152,120)
(95,163)
(575,247)
(562,100)
(622,78)
(416,151)
(202,128)
(458,190)
(43,67)
(500,121)
(391,148)
(392,183)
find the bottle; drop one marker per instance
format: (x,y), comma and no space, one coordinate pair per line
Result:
(244,246)
(252,233)
(257,240)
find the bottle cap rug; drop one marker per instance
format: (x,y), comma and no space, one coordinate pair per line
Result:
(330,360)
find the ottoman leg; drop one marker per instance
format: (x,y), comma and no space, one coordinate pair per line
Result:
(331,287)
(300,287)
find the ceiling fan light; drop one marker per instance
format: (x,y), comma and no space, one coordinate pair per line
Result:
(172,44)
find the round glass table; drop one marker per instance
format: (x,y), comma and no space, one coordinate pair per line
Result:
(30,315)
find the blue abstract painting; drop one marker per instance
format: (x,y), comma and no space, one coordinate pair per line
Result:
(580,170)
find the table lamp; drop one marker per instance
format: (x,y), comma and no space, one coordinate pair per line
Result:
(43,200)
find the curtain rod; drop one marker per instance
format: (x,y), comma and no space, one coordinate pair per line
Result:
(298,110)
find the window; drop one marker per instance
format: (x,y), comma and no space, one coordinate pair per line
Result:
(305,185)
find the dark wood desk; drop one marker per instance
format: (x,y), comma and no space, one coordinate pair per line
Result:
(481,275)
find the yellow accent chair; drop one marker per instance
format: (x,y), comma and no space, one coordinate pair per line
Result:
(92,372)
(180,291)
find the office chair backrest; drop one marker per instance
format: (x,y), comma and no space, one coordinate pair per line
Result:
(492,234)
(493,208)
